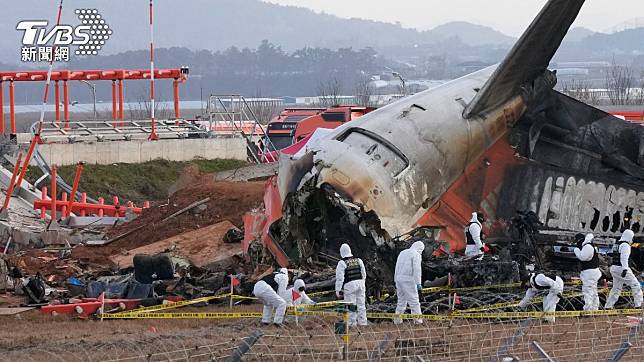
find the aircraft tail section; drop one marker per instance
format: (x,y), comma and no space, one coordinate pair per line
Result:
(530,56)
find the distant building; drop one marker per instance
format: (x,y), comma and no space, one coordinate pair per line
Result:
(562,72)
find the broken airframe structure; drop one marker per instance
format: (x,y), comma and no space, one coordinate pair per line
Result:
(500,140)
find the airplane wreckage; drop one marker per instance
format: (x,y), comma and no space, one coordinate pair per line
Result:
(500,140)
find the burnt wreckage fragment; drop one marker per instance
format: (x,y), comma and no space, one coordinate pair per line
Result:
(372,180)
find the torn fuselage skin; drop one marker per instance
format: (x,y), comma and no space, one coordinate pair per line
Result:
(371,180)
(397,161)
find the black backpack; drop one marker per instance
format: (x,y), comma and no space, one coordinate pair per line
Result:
(35,290)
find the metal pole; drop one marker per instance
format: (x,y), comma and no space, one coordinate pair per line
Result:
(175,86)
(72,196)
(380,348)
(345,337)
(245,346)
(1,108)
(153,131)
(57,96)
(621,352)
(114,102)
(53,192)
(121,101)
(542,352)
(11,183)
(66,103)
(231,291)
(12,108)
(51,67)
(92,87)
(34,141)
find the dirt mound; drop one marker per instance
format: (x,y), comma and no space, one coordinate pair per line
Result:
(228,201)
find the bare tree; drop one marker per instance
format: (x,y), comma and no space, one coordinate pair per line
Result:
(141,109)
(619,83)
(581,90)
(639,95)
(264,109)
(365,93)
(329,92)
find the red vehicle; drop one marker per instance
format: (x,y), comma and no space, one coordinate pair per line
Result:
(280,129)
(331,118)
(295,124)
(629,116)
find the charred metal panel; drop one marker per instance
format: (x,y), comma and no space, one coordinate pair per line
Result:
(573,202)
(409,153)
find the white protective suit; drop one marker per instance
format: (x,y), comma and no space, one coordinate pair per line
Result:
(271,298)
(408,278)
(538,283)
(300,288)
(474,227)
(354,291)
(622,274)
(589,277)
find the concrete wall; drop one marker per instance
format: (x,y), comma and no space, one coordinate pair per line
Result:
(104,153)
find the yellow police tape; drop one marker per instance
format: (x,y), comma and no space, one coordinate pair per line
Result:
(317,294)
(182,303)
(163,307)
(314,308)
(434,317)
(515,303)
(481,287)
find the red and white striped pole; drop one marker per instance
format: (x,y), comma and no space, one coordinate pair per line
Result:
(153,133)
(51,66)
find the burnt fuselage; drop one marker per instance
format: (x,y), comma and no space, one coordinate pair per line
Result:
(397,161)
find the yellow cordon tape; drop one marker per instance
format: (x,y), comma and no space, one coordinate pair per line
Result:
(515,303)
(172,305)
(434,317)
(321,293)
(467,289)
(158,308)
(149,312)
(481,287)
(182,315)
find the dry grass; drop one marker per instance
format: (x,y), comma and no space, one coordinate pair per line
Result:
(32,336)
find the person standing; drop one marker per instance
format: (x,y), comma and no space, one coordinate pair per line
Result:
(540,282)
(268,291)
(408,279)
(622,273)
(590,274)
(473,243)
(350,276)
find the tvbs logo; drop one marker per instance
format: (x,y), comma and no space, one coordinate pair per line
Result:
(42,44)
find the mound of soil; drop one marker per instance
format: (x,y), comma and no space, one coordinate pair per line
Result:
(228,201)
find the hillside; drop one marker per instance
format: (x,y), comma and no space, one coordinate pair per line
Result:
(472,34)
(220,24)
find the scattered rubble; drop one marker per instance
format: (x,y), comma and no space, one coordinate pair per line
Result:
(175,249)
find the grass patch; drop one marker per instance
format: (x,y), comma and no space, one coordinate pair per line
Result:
(133,182)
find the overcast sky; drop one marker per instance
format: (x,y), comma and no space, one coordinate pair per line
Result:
(508,16)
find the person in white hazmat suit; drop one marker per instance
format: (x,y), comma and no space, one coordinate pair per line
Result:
(350,276)
(590,274)
(268,291)
(622,273)
(300,288)
(408,279)
(474,245)
(539,282)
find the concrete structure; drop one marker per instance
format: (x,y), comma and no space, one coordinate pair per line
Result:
(105,153)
